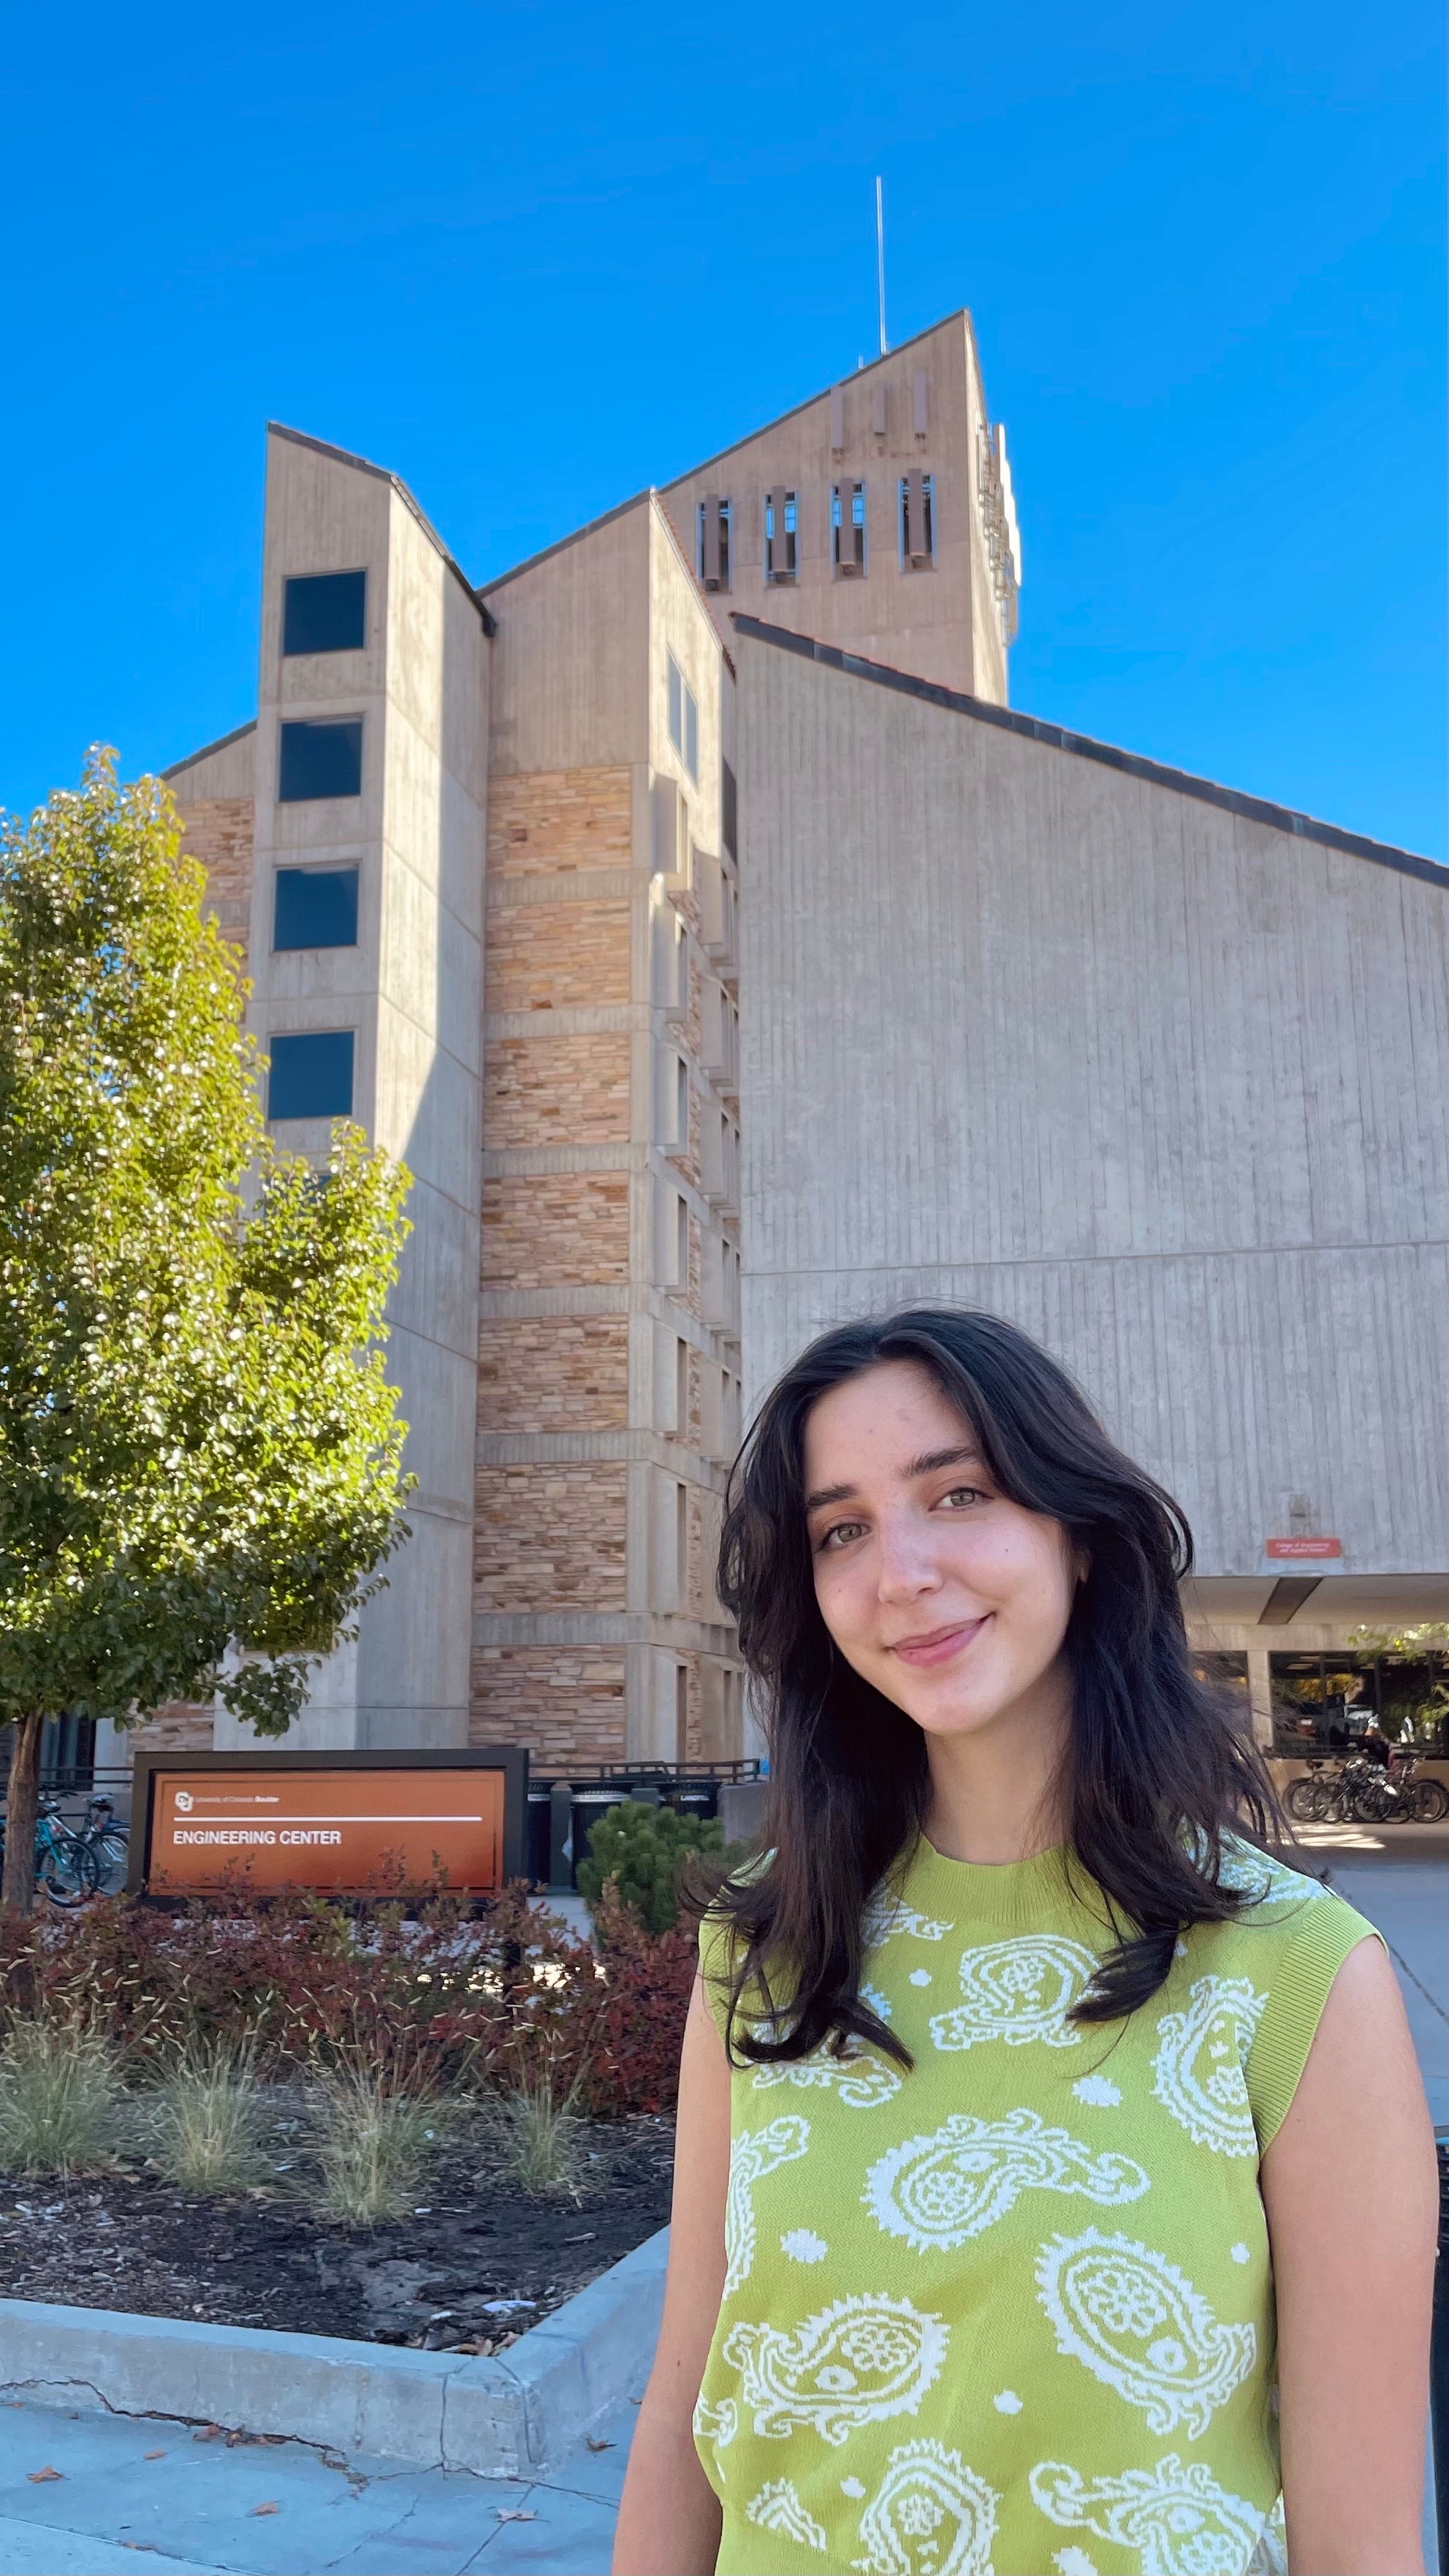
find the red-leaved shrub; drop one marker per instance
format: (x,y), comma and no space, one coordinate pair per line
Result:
(418,1988)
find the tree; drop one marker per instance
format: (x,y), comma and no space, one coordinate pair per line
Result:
(200,1459)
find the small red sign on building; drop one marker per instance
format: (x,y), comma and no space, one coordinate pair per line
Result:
(1311,1547)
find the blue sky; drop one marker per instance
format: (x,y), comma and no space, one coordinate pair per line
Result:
(535,259)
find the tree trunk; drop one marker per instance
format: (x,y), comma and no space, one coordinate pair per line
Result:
(22,1807)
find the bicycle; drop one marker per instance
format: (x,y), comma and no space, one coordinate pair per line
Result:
(66,1866)
(107,1840)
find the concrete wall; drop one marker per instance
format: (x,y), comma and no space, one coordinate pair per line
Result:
(944,623)
(1158,1081)
(411,989)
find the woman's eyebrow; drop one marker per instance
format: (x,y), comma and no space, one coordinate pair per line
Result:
(965,1456)
(926,1465)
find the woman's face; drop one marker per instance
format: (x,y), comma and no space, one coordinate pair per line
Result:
(953,1601)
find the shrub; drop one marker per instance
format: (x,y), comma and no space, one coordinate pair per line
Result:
(541,2139)
(641,1849)
(59,2093)
(433,1998)
(373,2146)
(203,2123)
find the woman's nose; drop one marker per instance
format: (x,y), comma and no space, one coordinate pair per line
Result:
(907,1562)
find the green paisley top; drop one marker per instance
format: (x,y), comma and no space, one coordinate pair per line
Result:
(1012,2314)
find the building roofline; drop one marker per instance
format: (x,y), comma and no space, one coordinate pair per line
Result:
(960,313)
(364,465)
(1257,809)
(223,740)
(575,537)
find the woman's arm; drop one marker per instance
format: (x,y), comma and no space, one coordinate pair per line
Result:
(669,2519)
(1351,2192)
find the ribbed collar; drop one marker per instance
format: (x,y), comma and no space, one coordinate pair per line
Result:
(1042,1894)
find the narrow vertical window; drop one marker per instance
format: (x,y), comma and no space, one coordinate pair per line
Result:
(714,519)
(683,718)
(681,1549)
(681,1390)
(917,521)
(782,535)
(681,1713)
(847,528)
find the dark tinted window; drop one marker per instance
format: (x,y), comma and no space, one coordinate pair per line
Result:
(311,1075)
(729,808)
(320,760)
(315,908)
(324,612)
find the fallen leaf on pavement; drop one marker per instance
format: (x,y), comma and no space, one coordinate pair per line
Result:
(153,2455)
(42,2477)
(514,2513)
(597,2446)
(208,2433)
(264,2508)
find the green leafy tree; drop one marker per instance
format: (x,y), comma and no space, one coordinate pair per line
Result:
(640,1848)
(200,1458)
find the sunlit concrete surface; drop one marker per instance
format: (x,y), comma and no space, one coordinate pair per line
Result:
(144,2493)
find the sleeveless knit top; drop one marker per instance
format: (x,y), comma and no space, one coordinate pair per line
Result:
(1011,2314)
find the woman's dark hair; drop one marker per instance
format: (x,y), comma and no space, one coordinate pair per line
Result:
(1159,1776)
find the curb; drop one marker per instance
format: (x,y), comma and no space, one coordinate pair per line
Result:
(509,2417)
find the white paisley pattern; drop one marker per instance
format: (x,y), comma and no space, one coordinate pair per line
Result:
(1177,2518)
(862,2083)
(885,1916)
(857,2362)
(717,2424)
(1018,1991)
(1142,2329)
(1251,1873)
(777,2508)
(937,2191)
(930,2516)
(753,2154)
(1197,2073)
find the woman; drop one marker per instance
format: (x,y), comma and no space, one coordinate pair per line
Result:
(1051,2163)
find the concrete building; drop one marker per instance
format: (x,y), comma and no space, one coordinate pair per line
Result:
(703,1014)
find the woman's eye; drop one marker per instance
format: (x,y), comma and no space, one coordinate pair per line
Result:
(842,1533)
(965,1494)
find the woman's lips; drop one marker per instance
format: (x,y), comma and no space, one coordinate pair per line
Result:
(941,1644)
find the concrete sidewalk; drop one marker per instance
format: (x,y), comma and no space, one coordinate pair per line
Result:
(129,2494)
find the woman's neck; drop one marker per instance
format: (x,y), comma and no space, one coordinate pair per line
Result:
(999,1794)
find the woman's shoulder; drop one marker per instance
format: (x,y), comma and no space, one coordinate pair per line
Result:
(1272,1964)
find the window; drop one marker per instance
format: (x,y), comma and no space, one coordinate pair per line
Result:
(729,806)
(918,522)
(311,1075)
(782,536)
(847,528)
(683,718)
(681,1548)
(681,1390)
(324,612)
(681,1713)
(681,1243)
(1324,1703)
(315,908)
(320,760)
(714,524)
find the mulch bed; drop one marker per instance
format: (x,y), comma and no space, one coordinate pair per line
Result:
(477,2263)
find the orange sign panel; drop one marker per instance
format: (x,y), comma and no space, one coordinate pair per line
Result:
(349,1829)
(1304,1547)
